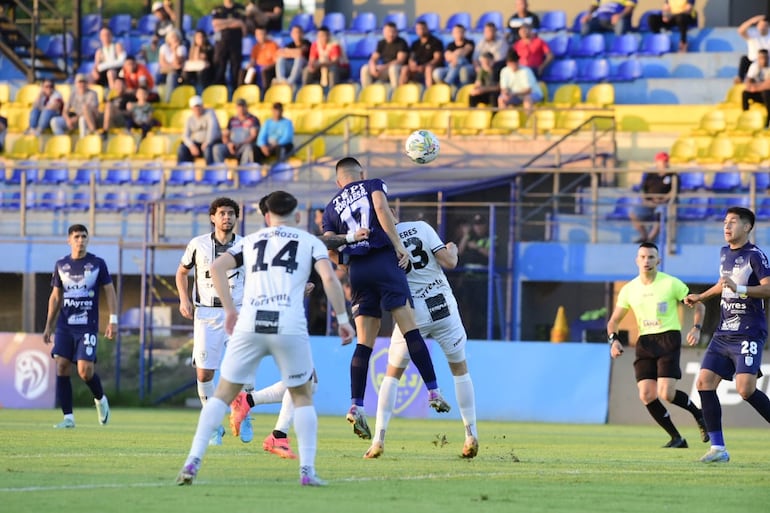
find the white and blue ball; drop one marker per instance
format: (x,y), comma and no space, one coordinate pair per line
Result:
(422,146)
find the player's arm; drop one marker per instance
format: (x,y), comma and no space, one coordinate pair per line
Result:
(761,291)
(336,297)
(693,299)
(54,301)
(447,256)
(219,268)
(616,349)
(185,305)
(693,336)
(388,223)
(334,240)
(112,306)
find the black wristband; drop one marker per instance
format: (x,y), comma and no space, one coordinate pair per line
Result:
(612,337)
(698,326)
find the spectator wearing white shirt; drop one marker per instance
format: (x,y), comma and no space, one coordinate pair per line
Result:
(757,83)
(171,59)
(518,85)
(756,32)
(108,60)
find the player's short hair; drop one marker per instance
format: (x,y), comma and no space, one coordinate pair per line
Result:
(77,228)
(224,202)
(745,215)
(648,244)
(263,204)
(281,203)
(349,165)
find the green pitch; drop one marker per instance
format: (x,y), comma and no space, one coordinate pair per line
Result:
(130,466)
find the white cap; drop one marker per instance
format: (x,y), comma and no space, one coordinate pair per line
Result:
(196,101)
(156,6)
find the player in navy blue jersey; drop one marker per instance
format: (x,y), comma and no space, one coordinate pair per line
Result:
(737,344)
(77,279)
(377,278)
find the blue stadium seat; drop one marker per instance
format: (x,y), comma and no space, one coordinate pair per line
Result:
(644,20)
(594,70)
(205,24)
(591,45)
(624,45)
(561,71)
(247,43)
(763,210)
(150,174)
(80,201)
(627,71)
(146,25)
(250,175)
(718,205)
(187,24)
(576,22)
(693,209)
(183,174)
(118,175)
(553,21)
(281,172)
(495,17)
(364,48)
(399,18)
(763,181)
(215,176)
(622,208)
(691,181)
(120,24)
(88,47)
(363,23)
(179,203)
(655,44)
(90,24)
(559,45)
(51,200)
(56,46)
(25,166)
(55,176)
(303,20)
(431,19)
(114,201)
(334,21)
(726,181)
(458,18)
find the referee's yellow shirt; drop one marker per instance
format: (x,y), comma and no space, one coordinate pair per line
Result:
(654,305)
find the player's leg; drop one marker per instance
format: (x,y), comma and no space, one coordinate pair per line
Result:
(208,347)
(278,441)
(747,369)
(85,356)
(367,327)
(466,401)
(63,382)
(707,383)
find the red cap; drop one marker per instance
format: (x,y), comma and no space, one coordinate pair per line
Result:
(661,156)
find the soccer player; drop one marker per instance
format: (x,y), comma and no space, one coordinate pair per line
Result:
(376,266)
(278,261)
(437,316)
(653,296)
(209,335)
(74,299)
(737,344)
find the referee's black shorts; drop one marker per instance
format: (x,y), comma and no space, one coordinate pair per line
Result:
(657,356)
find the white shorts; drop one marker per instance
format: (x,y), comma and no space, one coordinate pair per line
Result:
(209,337)
(449,333)
(245,350)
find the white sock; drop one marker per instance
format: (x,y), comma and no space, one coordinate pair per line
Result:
(466,400)
(205,390)
(306,428)
(269,395)
(386,403)
(210,419)
(70,416)
(285,415)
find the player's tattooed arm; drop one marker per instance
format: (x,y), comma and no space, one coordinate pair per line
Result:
(334,241)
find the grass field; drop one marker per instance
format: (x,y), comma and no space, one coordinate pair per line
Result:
(130,466)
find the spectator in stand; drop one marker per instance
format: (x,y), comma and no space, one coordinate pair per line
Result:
(518,85)
(756,32)
(47,106)
(521,15)
(140,113)
(201,134)
(198,66)
(292,58)
(264,54)
(3,131)
(150,51)
(657,190)
(757,84)
(473,253)
(229,30)
(679,14)
(387,60)
(115,108)
(264,13)
(108,60)
(487,86)
(276,136)
(165,14)
(493,44)
(136,75)
(327,64)
(239,139)
(533,52)
(608,16)
(458,58)
(172,56)
(81,110)
(425,55)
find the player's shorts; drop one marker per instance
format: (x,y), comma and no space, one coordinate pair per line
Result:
(728,358)
(377,282)
(449,333)
(75,344)
(245,350)
(657,356)
(209,337)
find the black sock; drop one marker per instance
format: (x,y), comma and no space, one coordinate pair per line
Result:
(683,401)
(250,400)
(661,416)
(64,394)
(359,365)
(418,351)
(761,403)
(712,415)
(95,384)
(278,434)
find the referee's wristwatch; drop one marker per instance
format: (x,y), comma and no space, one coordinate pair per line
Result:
(612,337)
(697,326)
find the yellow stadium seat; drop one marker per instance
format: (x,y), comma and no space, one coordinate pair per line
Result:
(18,118)
(99,90)
(5,93)
(601,95)
(120,146)
(542,121)
(405,94)
(88,147)
(341,95)
(403,122)
(683,150)
(544,90)
(248,92)
(310,122)
(278,93)
(503,122)
(176,122)
(57,147)
(214,96)
(438,121)
(152,146)
(471,122)
(314,151)
(462,97)
(749,122)
(756,151)
(26,95)
(373,94)
(437,95)
(720,149)
(377,122)
(309,95)
(569,120)
(65,90)
(567,95)
(712,123)
(24,147)
(180,97)
(222,117)
(734,96)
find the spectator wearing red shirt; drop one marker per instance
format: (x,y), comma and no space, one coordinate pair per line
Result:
(327,64)
(533,52)
(136,75)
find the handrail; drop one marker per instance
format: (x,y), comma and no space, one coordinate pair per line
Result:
(571,133)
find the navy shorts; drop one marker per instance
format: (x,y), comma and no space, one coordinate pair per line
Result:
(728,358)
(657,356)
(75,345)
(377,283)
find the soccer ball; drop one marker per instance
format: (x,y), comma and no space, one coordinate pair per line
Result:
(422,146)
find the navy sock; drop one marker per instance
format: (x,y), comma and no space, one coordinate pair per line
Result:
(418,351)
(662,417)
(683,401)
(250,400)
(359,365)
(761,403)
(95,384)
(278,434)
(712,415)
(64,394)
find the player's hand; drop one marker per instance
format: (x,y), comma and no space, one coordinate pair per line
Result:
(346,333)
(451,247)
(47,337)
(403,257)
(693,336)
(110,331)
(309,288)
(186,308)
(728,282)
(691,299)
(361,234)
(231,316)
(616,350)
